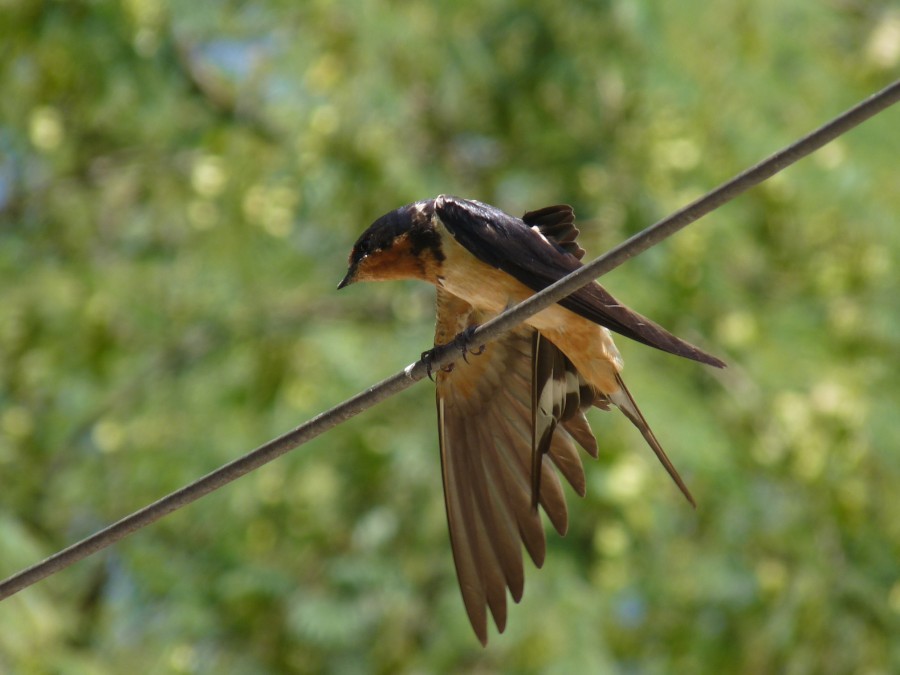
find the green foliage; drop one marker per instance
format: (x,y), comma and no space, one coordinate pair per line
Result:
(180,184)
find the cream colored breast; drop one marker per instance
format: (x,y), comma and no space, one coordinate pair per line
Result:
(479,284)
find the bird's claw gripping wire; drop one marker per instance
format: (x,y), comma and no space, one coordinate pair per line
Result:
(460,342)
(427,358)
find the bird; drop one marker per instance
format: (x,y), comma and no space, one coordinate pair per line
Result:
(509,418)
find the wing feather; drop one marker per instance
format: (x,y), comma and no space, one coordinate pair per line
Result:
(484,420)
(508,244)
(565,456)
(557,223)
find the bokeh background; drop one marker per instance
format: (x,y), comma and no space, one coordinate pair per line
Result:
(180,184)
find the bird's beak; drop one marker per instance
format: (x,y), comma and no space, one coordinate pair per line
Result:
(349,278)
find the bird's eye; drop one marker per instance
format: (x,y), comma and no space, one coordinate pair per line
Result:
(362,251)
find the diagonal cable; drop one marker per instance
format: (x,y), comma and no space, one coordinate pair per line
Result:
(490,330)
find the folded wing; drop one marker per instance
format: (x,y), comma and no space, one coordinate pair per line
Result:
(521,251)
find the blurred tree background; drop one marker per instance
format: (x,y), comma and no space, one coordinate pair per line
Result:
(180,184)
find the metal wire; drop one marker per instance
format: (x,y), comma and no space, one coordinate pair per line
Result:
(445,355)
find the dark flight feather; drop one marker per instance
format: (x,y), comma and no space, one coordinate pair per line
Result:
(545,405)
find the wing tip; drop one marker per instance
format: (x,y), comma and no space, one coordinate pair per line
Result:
(713,361)
(675,345)
(482,636)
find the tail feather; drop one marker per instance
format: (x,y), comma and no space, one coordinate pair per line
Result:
(625,402)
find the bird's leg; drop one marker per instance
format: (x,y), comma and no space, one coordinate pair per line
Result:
(461,341)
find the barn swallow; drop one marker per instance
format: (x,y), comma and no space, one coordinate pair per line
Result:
(508,417)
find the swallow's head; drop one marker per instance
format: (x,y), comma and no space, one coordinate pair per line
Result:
(402,244)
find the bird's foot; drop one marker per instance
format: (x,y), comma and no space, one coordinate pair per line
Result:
(461,341)
(428,357)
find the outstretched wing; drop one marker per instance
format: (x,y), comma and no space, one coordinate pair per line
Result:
(509,244)
(485,428)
